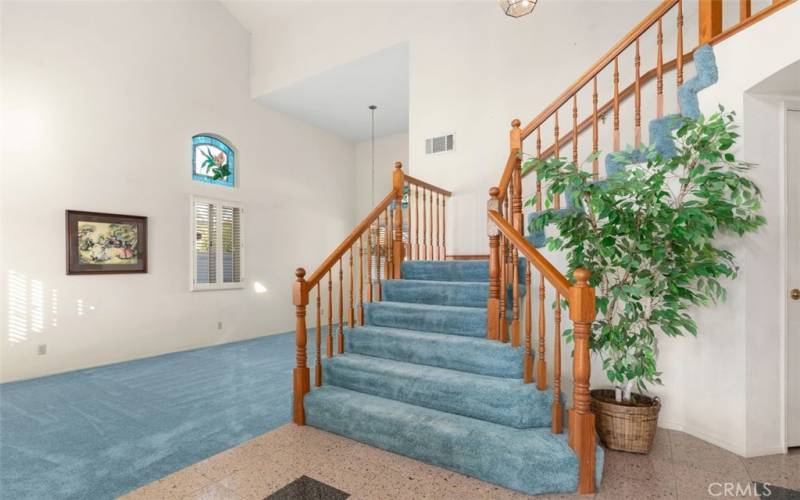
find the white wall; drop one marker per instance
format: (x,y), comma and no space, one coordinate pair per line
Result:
(100,102)
(732,383)
(388,150)
(472,70)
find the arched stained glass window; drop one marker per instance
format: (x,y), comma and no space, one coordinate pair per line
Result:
(212,160)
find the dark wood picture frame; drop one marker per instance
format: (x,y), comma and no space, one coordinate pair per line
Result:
(74,264)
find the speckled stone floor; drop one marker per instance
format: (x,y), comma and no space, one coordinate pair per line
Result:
(679,467)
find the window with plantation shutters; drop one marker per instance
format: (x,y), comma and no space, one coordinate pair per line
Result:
(217,248)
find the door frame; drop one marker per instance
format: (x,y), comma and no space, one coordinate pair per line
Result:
(787,105)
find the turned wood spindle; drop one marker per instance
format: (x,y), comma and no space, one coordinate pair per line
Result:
(369,264)
(329,340)
(595,131)
(351,314)
(493,303)
(557,146)
(424,225)
(340,343)
(361,280)
(318,362)
(679,57)
(557,409)
(616,104)
(660,71)
(444,225)
(416,222)
(637,98)
(527,365)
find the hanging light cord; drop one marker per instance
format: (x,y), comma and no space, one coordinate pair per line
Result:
(372,135)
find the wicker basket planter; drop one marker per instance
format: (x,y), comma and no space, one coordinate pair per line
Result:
(628,426)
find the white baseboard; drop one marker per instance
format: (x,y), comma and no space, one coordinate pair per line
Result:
(704,435)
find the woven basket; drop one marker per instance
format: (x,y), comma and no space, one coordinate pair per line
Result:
(629,426)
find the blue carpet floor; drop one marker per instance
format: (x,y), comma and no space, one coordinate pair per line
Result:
(101,432)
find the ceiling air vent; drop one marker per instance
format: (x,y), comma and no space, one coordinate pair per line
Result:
(441,144)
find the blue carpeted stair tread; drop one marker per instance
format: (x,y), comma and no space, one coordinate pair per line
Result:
(454,320)
(533,461)
(503,401)
(456,352)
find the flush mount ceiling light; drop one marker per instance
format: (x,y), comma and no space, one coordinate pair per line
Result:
(517,8)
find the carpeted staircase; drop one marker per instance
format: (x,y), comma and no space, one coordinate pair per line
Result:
(420,379)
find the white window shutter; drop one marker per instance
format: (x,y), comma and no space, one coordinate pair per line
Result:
(217,244)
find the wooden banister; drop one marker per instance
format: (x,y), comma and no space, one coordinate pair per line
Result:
(428,186)
(597,67)
(334,257)
(548,270)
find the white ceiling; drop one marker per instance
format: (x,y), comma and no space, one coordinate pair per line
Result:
(338,99)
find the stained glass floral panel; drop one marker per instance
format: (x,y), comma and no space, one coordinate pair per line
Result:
(212,160)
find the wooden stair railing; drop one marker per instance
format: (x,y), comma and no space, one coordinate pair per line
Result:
(373,251)
(505,213)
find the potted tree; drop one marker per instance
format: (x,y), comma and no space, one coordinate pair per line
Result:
(649,235)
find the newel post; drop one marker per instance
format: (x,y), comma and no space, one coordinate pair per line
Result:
(493,302)
(581,419)
(516,177)
(709,14)
(301,372)
(398,181)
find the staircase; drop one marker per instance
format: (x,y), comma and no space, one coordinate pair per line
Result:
(446,361)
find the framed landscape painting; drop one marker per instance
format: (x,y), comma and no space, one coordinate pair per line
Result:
(99,243)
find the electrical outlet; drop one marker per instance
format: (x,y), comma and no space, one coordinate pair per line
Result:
(219,325)
(41,349)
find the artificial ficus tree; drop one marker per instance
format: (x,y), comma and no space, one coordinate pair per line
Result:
(649,234)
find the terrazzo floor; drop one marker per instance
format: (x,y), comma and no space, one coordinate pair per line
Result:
(679,467)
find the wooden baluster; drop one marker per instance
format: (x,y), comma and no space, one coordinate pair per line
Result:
(431,240)
(541,363)
(575,129)
(388,231)
(301,373)
(528,359)
(369,264)
(616,104)
(581,418)
(351,312)
(397,234)
(424,225)
(515,138)
(557,414)
(637,98)
(744,10)
(493,303)
(679,57)
(318,363)
(660,71)
(503,329)
(378,246)
(361,280)
(340,344)
(439,227)
(710,17)
(595,132)
(557,150)
(416,222)
(444,233)
(329,342)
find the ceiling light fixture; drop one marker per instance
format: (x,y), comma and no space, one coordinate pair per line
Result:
(517,8)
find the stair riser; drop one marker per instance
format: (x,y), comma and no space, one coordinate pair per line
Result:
(470,323)
(453,270)
(436,293)
(494,359)
(502,401)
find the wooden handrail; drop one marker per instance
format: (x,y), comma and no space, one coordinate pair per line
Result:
(334,257)
(597,67)
(426,185)
(608,106)
(553,275)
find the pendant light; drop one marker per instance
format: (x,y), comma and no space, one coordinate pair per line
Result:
(517,8)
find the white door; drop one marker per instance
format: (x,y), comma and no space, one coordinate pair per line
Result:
(793,294)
